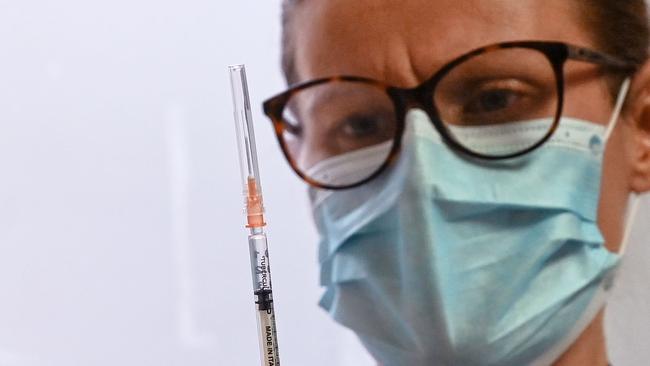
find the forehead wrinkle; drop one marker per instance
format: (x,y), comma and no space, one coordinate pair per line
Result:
(397,67)
(371,50)
(497,23)
(404,47)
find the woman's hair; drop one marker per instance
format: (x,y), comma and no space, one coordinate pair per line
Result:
(288,63)
(620,28)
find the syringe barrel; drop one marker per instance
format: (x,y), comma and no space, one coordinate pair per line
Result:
(260,266)
(270,355)
(263,290)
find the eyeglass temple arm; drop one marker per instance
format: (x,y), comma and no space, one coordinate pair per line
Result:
(587,55)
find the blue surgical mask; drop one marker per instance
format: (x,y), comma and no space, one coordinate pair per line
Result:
(445,260)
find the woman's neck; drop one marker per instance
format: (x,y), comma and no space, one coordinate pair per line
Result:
(589,349)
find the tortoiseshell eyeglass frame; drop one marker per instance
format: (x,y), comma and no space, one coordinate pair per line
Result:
(557,54)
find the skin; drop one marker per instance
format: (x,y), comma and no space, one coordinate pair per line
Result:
(404,42)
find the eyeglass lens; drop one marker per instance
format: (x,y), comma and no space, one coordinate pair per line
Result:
(341,132)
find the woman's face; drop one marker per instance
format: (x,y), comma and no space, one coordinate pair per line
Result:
(405,42)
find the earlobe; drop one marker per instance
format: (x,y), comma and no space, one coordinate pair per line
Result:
(640,179)
(641,166)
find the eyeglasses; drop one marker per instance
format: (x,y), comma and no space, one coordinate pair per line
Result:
(327,121)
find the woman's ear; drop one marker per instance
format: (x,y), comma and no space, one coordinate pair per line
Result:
(639,113)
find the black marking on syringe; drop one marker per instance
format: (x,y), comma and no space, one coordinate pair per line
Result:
(264,299)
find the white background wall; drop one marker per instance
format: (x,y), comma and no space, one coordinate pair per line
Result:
(121,238)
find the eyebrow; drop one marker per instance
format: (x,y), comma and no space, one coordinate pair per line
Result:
(288,63)
(322,100)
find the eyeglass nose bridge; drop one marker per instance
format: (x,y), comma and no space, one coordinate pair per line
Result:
(406,99)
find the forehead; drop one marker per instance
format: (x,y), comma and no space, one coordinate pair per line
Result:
(404,41)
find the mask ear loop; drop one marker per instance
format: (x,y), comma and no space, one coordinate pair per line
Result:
(635,199)
(618,107)
(635,204)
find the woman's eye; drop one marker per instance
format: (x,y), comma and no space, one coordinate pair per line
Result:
(293,128)
(492,101)
(362,127)
(291,123)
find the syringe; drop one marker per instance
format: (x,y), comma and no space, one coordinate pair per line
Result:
(259,252)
